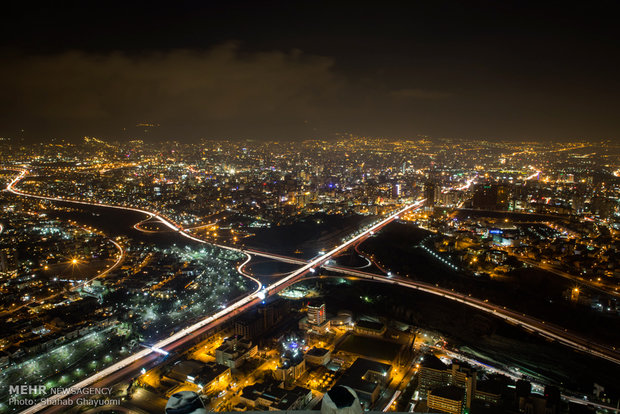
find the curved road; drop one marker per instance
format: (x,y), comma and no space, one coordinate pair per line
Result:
(128,365)
(119,260)
(526,322)
(131,365)
(599,287)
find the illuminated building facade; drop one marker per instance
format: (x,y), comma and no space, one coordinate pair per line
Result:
(292,362)
(235,351)
(316,313)
(429,195)
(447,399)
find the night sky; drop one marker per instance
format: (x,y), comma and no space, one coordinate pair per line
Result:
(309,69)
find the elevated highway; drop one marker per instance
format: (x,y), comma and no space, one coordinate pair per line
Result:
(132,363)
(130,366)
(528,323)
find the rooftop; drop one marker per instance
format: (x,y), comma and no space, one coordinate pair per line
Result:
(356,376)
(432,362)
(451,392)
(318,352)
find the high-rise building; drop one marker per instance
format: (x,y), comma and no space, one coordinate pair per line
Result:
(316,313)
(465,377)
(485,196)
(448,399)
(488,196)
(503,195)
(396,190)
(433,373)
(429,194)
(4,267)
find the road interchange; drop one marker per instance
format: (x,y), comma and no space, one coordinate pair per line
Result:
(221,316)
(132,364)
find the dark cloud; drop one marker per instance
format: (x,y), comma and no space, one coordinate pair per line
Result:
(276,69)
(205,90)
(420,94)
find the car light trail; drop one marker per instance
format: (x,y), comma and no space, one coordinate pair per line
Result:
(160,351)
(256,296)
(168,223)
(526,322)
(394,397)
(536,175)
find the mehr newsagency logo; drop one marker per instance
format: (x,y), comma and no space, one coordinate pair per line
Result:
(29,395)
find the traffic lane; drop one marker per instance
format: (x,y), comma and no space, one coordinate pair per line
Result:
(527,322)
(148,362)
(152,360)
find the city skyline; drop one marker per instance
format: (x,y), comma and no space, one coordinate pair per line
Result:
(460,275)
(405,207)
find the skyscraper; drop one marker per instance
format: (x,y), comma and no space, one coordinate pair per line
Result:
(396,190)
(489,196)
(485,196)
(4,267)
(429,194)
(316,313)
(503,193)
